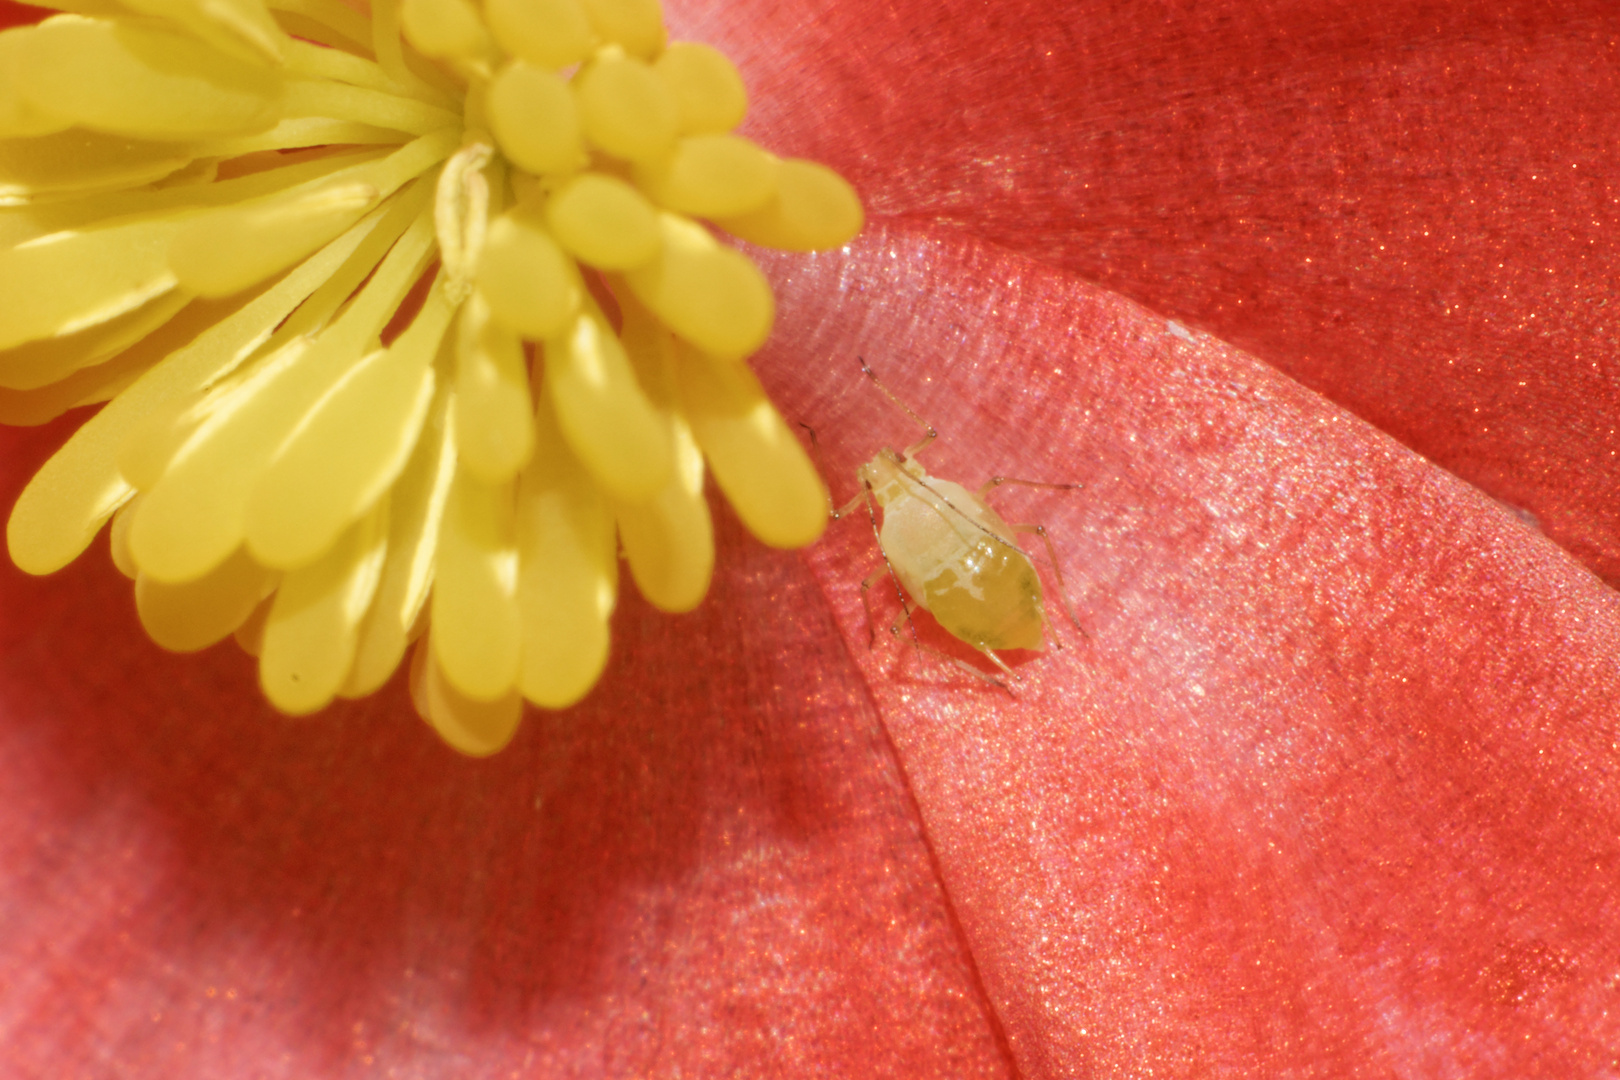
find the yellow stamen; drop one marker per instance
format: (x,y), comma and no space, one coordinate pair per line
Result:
(407,323)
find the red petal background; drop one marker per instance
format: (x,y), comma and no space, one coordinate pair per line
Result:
(1329,790)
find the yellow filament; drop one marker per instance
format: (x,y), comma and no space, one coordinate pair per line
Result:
(625,109)
(98,210)
(534,119)
(567,572)
(529,283)
(708,92)
(308,97)
(477,635)
(759,464)
(711,176)
(708,294)
(309,637)
(185,618)
(299,132)
(549,34)
(494,411)
(814,209)
(141,81)
(349,449)
(334,15)
(603,412)
(308,61)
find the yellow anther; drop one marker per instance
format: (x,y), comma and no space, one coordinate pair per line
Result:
(711,176)
(535,120)
(445,28)
(603,412)
(79,160)
(637,25)
(415,510)
(494,411)
(708,92)
(530,284)
(708,294)
(765,473)
(604,222)
(568,571)
(314,621)
(625,109)
(669,539)
(475,728)
(195,615)
(72,280)
(19,117)
(476,631)
(814,209)
(549,34)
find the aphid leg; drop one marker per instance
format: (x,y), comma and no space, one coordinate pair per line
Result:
(839,512)
(921,444)
(996,660)
(1057,572)
(982,676)
(866,588)
(887,568)
(1040,530)
(996,481)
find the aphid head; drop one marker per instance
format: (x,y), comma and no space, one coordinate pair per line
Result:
(886,475)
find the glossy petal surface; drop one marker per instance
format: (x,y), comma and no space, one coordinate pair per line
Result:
(1329,788)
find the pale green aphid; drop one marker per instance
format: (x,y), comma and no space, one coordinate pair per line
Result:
(951,554)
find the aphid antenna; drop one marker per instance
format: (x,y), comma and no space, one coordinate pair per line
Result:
(821,467)
(922,444)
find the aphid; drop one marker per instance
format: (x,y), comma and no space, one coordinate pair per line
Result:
(951,554)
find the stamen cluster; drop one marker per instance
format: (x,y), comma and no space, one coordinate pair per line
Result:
(404,323)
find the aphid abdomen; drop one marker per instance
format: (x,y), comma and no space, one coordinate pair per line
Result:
(991,599)
(956,557)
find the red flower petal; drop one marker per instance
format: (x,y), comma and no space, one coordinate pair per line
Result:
(1330,787)
(1329,790)
(1409,207)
